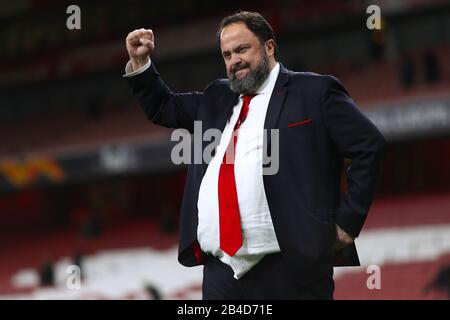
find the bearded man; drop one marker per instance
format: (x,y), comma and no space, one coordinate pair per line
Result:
(263,234)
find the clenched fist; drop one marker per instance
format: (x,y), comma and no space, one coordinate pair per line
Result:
(139,45)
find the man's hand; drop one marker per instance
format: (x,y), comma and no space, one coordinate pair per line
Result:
(139,45)
(343,239)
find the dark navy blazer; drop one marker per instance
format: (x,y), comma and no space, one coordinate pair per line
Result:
(319,125)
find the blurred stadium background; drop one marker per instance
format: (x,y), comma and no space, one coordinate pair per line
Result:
(85,179)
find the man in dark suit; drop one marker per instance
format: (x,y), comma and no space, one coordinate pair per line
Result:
(265,234)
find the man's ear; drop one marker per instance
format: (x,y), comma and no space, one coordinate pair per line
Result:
(269,46)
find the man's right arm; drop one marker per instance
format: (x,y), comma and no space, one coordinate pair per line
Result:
(160,104)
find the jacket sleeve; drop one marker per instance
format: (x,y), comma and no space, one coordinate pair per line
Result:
(161,105)
(357,138)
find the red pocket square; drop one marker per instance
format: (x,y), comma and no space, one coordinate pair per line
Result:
(299,123)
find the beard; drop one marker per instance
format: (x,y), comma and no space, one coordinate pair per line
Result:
(251,82)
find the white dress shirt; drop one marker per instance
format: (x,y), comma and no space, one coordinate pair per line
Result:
(258,232)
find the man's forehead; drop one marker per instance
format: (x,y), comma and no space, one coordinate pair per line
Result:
(235,32)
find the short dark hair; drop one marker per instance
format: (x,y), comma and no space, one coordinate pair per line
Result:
(255,22)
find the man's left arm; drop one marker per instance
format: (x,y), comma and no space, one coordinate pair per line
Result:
(357,138)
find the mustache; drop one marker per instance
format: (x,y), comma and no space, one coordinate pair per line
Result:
(238,67)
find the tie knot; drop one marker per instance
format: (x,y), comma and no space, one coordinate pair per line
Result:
(248,98)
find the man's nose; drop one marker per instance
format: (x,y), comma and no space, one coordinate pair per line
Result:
(235,60)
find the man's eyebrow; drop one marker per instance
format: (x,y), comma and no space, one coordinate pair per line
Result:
(236,48)
(241,45)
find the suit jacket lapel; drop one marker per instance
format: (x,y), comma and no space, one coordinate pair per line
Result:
(276,101)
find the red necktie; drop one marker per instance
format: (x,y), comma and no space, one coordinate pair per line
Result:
(229,216)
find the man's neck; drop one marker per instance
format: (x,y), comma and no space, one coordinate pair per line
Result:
(272,63)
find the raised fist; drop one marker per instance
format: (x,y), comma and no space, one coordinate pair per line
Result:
(140,43)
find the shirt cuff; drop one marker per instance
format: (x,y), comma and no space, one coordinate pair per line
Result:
(129,73)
